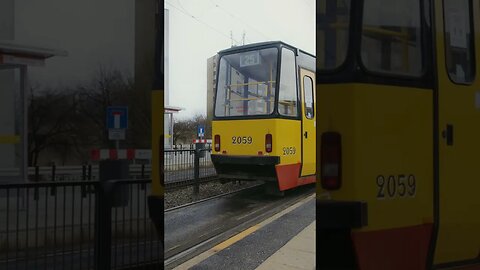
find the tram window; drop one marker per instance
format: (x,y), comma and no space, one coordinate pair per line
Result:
(391,37)
(287,96)
(333,21)
(308,92)
(246,83)
(459,44)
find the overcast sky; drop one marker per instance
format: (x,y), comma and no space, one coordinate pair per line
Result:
(94,33)
(199,29)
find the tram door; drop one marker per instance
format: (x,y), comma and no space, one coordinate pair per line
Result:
(307,79)
(459,131)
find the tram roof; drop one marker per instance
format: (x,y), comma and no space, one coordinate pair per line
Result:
(261,44)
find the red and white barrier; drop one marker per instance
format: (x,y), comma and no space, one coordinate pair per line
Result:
(130,154)
(202,141)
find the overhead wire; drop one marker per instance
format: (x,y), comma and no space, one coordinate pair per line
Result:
(198,20)
(239,19)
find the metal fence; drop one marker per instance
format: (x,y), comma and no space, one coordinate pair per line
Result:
(77,225)
(187,146)
(179,164)
(72,173)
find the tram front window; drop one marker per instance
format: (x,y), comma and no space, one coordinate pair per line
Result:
(247,83)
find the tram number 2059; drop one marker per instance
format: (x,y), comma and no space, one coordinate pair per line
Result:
(289,151)
(242,140)
(396,185)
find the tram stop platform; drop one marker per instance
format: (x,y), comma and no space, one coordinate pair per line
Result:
(283,241)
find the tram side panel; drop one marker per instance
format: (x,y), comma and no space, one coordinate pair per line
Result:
(458,239)
(385,197)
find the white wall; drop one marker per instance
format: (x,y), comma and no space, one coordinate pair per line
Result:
(7,117)
(8,86)
(168,130)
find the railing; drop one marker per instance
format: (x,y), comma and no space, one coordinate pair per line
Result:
(72,173)
(77,225)
(180,165)
(188,146)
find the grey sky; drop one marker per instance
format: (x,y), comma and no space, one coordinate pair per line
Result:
(193,40)
(93,33)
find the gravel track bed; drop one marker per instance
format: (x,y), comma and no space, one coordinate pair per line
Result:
(185,195)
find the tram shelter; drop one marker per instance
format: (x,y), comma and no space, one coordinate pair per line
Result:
(168,125)
(15,60)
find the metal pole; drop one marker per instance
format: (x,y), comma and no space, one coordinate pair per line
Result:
(89,171)
(37,173)
(53,172)
(84,178)
(84,172)
(24,129)
(196,171)
(107,196)
(103,228)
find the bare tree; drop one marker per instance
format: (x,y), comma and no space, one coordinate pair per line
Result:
(70,122)
(50,121)
(184,131)
(103,91)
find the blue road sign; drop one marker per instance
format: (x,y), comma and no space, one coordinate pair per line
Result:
(117,117)
(201,131)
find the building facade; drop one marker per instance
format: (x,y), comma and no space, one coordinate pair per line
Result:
(212,63)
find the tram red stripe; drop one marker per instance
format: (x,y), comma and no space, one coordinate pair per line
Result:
(288,176)
(393,249)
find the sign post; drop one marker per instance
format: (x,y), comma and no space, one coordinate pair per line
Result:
(201,131)
(117,123)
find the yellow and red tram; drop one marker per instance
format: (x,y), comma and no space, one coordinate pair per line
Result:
(264,115)
(398,113)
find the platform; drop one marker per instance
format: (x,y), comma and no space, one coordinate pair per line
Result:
(283,241)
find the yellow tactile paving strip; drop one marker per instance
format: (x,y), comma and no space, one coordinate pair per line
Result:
(298,253)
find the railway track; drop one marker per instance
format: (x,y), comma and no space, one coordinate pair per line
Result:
(213,220)
(189,182)
(247,189)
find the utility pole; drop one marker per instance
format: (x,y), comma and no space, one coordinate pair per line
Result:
(243,37)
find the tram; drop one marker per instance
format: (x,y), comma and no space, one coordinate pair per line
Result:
(398,113)
(264,115)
